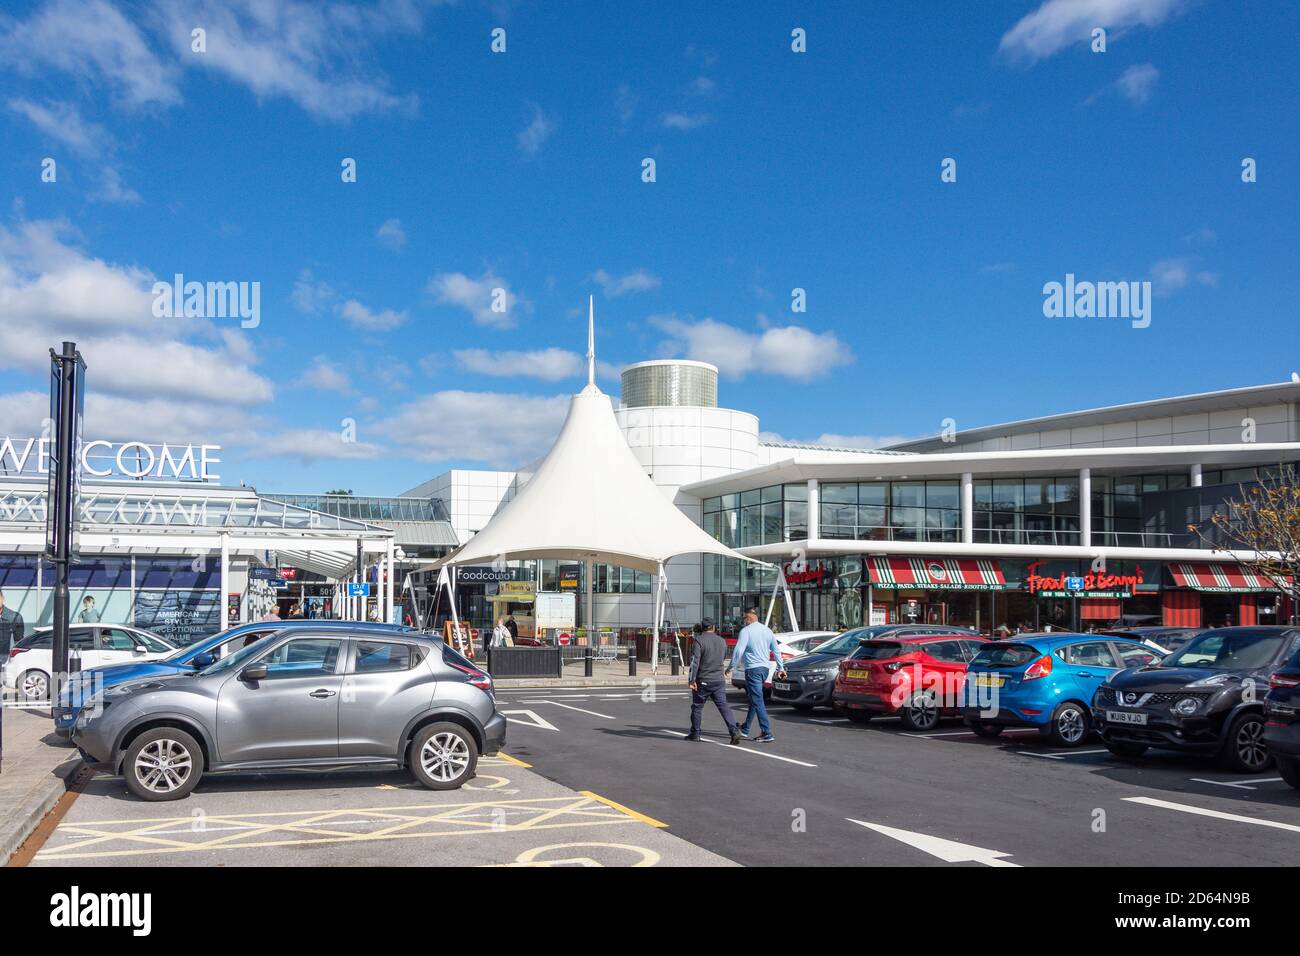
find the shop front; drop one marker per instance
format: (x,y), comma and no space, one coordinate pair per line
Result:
(1218,594)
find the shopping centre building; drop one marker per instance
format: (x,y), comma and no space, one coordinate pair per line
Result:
(1072,520)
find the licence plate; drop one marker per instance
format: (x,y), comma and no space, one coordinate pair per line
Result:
(857,675)
(780,686)
(989,680)
(1123,717)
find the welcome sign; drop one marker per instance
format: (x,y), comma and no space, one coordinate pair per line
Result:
(104,459)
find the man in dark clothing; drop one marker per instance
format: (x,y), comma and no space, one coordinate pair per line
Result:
(706,679)
(11,626)
(512,627)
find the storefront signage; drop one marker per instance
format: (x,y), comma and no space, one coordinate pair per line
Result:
(569,580)
(806,576)
(181,617)
(555,610)
(104,459)
(263,574)
(1092,584)
(515,587)
(289,574)
(475,574)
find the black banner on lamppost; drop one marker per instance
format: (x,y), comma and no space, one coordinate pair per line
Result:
(62,527)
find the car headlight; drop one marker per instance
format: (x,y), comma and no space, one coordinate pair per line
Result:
(1214,680)
(1186,706)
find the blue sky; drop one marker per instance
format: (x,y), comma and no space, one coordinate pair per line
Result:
(522,171)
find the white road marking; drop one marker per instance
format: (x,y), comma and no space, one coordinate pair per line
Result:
(1217,814)
(1239,784)
(743,749)
(829,720)
(949,851)
(578,709)
(969,733)
(1035,753)
(537,720)
(1060,754)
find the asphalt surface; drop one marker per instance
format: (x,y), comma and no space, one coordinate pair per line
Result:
(1009,801)
(506,816)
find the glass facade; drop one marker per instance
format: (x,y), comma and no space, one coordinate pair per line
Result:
(891,510)
(762,516)
(670,383)
(365,508)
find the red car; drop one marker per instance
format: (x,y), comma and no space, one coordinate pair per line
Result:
(919,678)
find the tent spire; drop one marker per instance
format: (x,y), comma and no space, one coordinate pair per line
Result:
(591,340)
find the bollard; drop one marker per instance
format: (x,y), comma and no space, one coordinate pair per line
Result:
(676,661)
(631,660)
(586,662)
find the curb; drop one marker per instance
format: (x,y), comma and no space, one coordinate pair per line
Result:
(40,800)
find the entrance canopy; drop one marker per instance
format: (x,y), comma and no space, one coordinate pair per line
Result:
(938,574)
(590,500)
(1222,578)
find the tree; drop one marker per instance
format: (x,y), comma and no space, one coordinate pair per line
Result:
(1261,529)
(340,491)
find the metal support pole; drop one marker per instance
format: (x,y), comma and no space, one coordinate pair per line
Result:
(225,581)
(359,605)
(389,586)
(64,512)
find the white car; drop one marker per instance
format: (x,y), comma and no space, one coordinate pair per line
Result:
(793,644)
(27,669)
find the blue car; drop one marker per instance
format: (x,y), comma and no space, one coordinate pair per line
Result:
(187,660)
(1046,681)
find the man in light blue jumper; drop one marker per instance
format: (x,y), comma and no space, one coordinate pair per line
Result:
(755,646)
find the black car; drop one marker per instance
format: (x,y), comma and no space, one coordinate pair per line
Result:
(1282,720)
(1170,638)
(810,679)
(1207,697)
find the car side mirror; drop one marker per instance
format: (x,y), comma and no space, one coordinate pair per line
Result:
(253,672)
(141,649)
(203,660)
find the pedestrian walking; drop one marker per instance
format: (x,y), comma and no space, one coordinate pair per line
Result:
(11,627)
(272,614)
(755,646)
(501,634)
(512,627)
(707,679)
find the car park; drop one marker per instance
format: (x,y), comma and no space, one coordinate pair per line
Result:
(30,663)
(1282,720)
(1046,681)
(810,679)
(192,657)
(308,697)
(918,677)
(1207,698)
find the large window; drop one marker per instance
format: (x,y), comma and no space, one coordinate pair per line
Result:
(759,516)
(892,510)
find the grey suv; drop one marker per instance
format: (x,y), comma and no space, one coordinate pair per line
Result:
(304,698)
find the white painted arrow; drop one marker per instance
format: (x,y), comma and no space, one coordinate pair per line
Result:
(537,720)
(949,851)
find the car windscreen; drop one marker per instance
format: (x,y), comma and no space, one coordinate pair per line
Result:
(1228,650)
(1004,655)
(846,642)
(877,651)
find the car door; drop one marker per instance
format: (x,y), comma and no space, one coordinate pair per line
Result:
(291,714)
(386,684)
(947,663)
(116,644)
(1088,664)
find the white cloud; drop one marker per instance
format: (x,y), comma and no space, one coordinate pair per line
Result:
(1058,23)
(362,317)
(685,121)
(835,440)
(1138,82)
(91,40)
(311,54)
(476,296)
(448,425)
(312,444)
(638,280)
(391,234)
(625,103)
(113,191)
(309,295)
(325,375)
(790,351)
(533,136)
(549,365)
(1178,272)
(63,123)
(702,86)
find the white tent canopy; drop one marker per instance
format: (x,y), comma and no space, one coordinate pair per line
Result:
(590,500)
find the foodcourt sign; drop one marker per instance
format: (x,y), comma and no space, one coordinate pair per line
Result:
(105,459)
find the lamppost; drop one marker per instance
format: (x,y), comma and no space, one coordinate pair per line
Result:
(67,403)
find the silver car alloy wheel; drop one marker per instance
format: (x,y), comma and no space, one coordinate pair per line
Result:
(163,766)
(1070,725)
(925,711)
(1250,744)
(36,686)
(444,757)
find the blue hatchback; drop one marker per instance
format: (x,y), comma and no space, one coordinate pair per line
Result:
(188,660)
(1046,681)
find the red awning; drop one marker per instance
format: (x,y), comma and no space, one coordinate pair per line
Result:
(1224,578)
(938,574)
